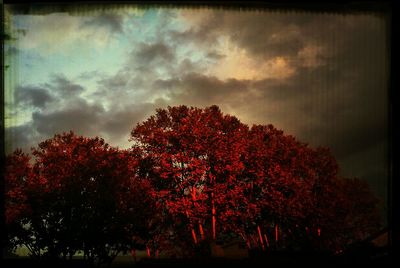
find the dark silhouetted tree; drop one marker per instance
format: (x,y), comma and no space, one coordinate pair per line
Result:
(83,195)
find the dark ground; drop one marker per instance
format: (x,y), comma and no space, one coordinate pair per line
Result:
(379,257)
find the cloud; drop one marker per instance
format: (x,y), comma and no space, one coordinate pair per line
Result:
(58,93)
(78,116)
(303,72)
(88,75)
(118,123)
(61,105)
(215,55)
(114,22)
(268,35)
(149,53)
(81,117)
(64,87)
(337,74)
(49,108)
(238,64)
(195,88)
(144,63)
(22,137)
(41,31)
(115,82)
(33,96)
(330,90)
(135,80)
(320,77)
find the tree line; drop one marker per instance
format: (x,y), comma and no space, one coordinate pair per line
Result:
(191,177)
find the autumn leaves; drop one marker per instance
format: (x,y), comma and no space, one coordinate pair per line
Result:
(246,182)
(192,176)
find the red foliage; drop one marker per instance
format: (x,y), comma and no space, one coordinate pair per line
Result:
(208,168)
(194,159)
(17,174)
(192,176)
(84,195)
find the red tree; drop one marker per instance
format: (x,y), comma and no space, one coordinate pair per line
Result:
(347,212)
(214,176)
(300,195)
(280,178)
(193,176)
(17,206)
(17,173)
(194,159)
(85,196)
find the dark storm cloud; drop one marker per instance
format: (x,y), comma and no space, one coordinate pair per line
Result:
(78,116)
(344,94)
(119,122)
(348,136)
(148,53)
(322,117)
(60,109)
(34,96)
(63,86)
(337,96)
(327,106)
(334,98)
(59,92)
(20,137)
(67,110)
(271,89)
(199,88)
(113,22)
(269,35)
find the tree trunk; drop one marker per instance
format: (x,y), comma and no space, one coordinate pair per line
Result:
(266,239)
(201,231)
(194,236)
(260,237)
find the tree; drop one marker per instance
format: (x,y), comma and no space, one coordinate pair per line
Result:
(17,206)
(352,217)
(86,196)
(217,178)
(192,177)
(299,192)
(193,159)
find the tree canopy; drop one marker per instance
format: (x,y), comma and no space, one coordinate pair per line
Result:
(79,195)
(224,179)
(192,176)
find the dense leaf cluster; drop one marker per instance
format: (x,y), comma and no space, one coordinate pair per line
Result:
(191,177)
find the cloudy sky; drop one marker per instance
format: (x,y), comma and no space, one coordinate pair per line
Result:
(320,77)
